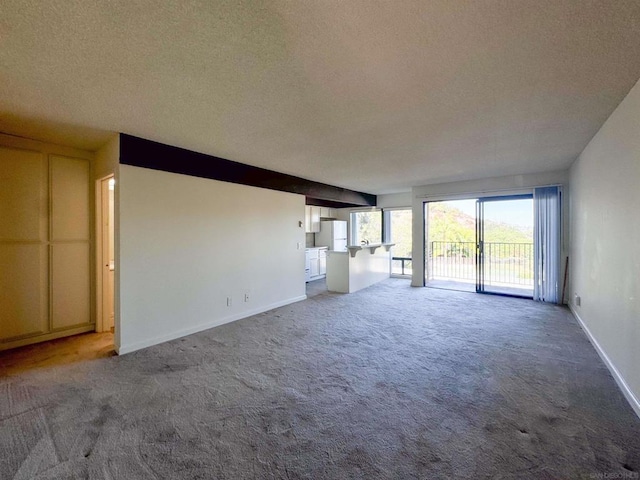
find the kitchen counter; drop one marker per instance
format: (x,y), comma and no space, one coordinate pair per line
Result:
(371,248)
(358,268)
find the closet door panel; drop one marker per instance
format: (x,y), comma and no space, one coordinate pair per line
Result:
(69,199)
(23,290)
(70,276)
(70,246)
(23,195)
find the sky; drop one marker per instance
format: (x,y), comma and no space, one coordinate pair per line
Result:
(514,212)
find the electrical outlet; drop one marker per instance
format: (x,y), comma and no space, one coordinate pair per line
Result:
(228,301)
(577,300)
(246,297)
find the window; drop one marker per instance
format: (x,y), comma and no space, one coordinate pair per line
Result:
(400,225)
(398,230)
(366,227)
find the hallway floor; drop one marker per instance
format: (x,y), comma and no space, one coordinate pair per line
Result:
(53,353)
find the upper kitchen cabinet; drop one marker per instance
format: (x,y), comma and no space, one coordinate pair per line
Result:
(326,212)
(314,214)
(312,219)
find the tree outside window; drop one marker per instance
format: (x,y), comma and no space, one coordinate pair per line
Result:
(400,232)
(366,227)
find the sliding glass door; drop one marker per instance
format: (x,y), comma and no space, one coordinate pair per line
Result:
(483,244)
(504,245)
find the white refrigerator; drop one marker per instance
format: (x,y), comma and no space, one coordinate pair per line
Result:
(333,234)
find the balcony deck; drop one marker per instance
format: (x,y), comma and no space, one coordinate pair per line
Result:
(470,286)
(508,267)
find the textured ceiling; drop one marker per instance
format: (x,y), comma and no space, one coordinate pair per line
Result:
(374,96)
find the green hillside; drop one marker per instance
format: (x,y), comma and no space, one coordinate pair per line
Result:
(449,224)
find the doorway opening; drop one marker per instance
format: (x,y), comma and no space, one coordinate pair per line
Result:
(398,225)
(482,245)
(105,221)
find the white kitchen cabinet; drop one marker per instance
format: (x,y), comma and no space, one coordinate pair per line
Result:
(326,212)
(307,266)
(307,219)
(315,219)
(314,266)
(312,219)
(317,263)
(322,262)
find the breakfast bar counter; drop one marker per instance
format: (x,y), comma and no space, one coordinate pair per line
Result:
(359,267)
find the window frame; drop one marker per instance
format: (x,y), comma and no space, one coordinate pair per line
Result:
(354,229)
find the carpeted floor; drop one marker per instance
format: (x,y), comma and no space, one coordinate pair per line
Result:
(390,382)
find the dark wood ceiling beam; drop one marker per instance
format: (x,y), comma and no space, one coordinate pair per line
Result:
(139,152)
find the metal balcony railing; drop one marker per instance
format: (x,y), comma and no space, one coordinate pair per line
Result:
(504,263)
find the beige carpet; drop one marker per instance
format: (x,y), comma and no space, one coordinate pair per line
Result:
(390,382)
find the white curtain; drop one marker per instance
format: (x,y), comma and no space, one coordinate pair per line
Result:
(546,244)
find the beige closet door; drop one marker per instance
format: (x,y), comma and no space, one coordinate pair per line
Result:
(23,244)
(70,242)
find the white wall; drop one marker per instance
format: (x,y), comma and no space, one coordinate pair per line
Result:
(187,243)
(395,200)
(605,247)
(509,185)
(107,158)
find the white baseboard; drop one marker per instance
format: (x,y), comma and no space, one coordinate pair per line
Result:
(124,349)
(626,390)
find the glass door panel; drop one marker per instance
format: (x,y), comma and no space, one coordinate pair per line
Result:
(504,236)
(450,245)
